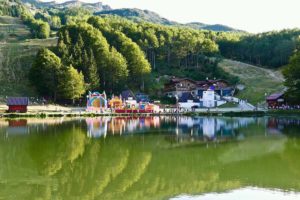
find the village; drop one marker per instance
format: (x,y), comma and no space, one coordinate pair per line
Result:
(189,96)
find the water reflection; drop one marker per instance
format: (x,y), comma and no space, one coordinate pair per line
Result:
(207,128)
(18,127)
(146,158)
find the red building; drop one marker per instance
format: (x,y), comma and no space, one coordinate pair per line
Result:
(17,104)
(275,100)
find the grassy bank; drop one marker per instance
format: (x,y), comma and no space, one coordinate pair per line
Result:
(17,53)
(257,81)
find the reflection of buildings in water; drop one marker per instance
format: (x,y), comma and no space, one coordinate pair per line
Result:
(98,127)
(17,127)
(277,125)
(210,127)
(273,126)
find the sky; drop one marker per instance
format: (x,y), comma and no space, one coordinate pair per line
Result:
(250,15)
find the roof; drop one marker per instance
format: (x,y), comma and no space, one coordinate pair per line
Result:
(177,80)
(20,101)
(185,97)
(211,82)
(127,93)
(275,96)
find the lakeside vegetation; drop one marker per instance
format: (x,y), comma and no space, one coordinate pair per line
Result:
(113,53)
(256,82)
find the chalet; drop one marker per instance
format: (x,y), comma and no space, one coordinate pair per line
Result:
(177,86)
(275,100)
(221,87)
(17,104)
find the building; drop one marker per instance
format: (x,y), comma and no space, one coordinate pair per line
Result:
(221,87)
(127,94)
(17,104)
(176,87)
(275,100)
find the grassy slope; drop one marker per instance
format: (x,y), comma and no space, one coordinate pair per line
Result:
(16,56)
(257,81)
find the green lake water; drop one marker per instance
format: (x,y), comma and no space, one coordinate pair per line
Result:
(180,158)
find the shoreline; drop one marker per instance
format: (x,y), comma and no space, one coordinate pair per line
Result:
(191,114)
(44,111)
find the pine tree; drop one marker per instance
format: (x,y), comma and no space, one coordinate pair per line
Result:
(90,70)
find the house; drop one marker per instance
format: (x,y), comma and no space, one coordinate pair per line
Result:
(275,100)
(221,87)
(17,104)
(177,86)
(127,94)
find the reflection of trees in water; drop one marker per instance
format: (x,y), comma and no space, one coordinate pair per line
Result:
(63,163)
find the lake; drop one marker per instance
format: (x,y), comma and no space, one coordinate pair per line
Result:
(178,158)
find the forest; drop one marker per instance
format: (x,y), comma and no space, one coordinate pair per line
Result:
(270,49)
(112,53)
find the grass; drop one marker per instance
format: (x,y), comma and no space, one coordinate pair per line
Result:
(12,29)
(257,81)
(17,53)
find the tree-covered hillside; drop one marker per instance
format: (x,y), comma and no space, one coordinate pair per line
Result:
(114,54)
(270,49)
(138,15)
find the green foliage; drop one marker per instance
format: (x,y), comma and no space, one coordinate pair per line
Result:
(78,41)
(138,16)
(11,8)
(70,83)
(74,15)
(292,79)
(270,49)
(138,66)
(38,28)
(55,22)
(44,73)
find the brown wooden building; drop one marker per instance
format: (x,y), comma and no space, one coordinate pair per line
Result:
(275,100)
(180,86)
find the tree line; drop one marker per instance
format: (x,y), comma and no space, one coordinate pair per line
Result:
(113,54)
(270,49)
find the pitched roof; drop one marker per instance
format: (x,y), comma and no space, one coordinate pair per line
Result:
(127,93)
(275,96)
(177,80)
(13,101)
(185,97)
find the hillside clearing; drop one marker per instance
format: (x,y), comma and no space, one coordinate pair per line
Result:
(17,53)
(257,81)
